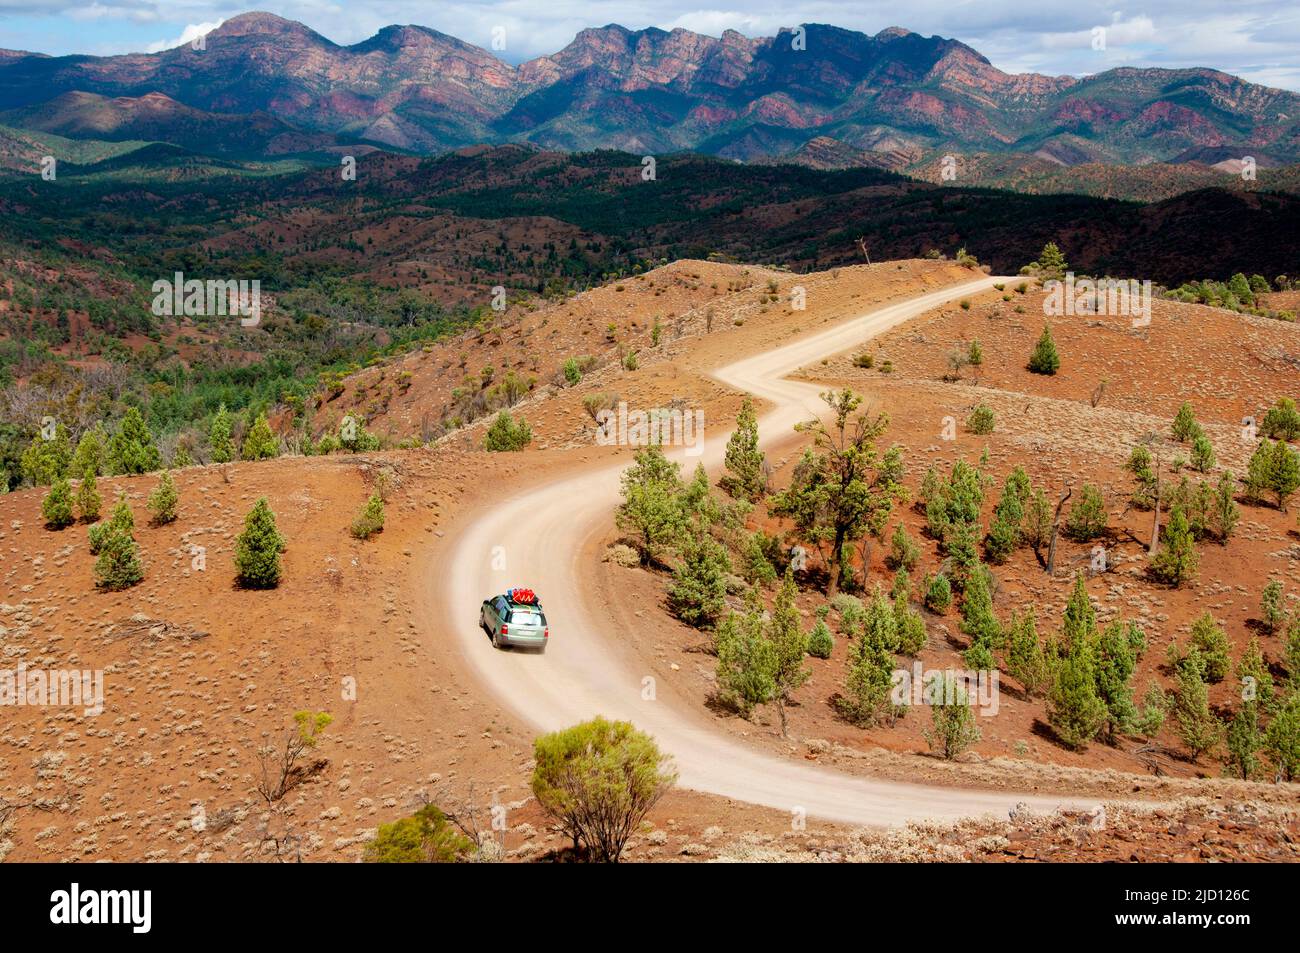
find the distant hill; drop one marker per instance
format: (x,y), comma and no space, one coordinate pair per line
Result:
(157,117)
(1152,182)
(824,95)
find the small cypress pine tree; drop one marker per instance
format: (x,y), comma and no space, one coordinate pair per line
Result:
(1282,740)
(1256,679)
(698,595)
(88,498)
(1176,561)
(1004,533)
(260,443)
(1203,457)
(1051,263)
(1045,360)
(1185,426)
(1115,661)
(1025,660)
(977,618)
(938,594)
(869,680)
(258,548)
(746,671)
(47,459)
(118,566)
(92,451)
(222,448)
(57,505)
(1224,511)
(1243,743)
(953,723)
(820,641)
(744,461)
(120,520)
(1199,730)
(132,448)
(789,644)
(162,502)
(1073,709)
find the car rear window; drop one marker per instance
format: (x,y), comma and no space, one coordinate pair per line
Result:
(527,617)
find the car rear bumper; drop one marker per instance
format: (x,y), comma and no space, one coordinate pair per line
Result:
(524,640)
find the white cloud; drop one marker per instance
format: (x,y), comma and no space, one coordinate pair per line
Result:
(192,32)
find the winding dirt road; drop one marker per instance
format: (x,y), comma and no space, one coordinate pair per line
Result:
(542,533)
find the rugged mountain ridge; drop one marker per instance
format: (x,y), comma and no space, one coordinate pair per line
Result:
(896,93)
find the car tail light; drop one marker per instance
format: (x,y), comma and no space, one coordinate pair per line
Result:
(546,633)
(505,629)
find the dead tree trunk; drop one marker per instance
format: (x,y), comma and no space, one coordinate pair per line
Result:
(1056,523)
(1155,514)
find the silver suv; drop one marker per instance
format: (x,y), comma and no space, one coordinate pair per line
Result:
(515,618)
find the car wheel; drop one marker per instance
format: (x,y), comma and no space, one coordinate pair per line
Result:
(496,640)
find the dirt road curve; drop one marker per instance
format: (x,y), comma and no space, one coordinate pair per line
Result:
(586,672)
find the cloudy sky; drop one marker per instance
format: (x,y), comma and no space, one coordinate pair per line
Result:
(1256,39)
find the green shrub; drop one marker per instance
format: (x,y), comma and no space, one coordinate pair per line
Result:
(938,593)
(981,420)
(1087,519)
(598,780)
(427,837)
(371,518)
(903,550)
(572,371)
(1282,421)
(820,641)
(507,434)
(118,566)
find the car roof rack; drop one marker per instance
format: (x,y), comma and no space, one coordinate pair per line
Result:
(520,596)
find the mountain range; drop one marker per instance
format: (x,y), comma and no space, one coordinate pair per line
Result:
(265,86)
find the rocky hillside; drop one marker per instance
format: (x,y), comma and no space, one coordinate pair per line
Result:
(651,91)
